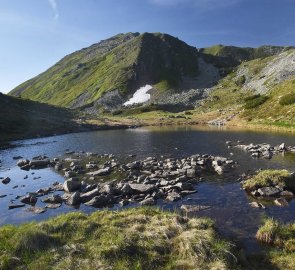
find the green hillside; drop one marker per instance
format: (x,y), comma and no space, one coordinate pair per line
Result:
(124,62)
(23,118)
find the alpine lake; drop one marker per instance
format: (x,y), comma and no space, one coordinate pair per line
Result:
(226,202)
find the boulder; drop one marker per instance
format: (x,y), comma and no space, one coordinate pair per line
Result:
(29,199)
(53,205)
(142,188)
(286,193)
(101,172)
(123,202)
(194,208)
(191,173)
(184,186)
(173,197)
(70,174)
(91,166)
(74,199)
(148,201)
(282,147)
(23,162)
(71,185)
(134,165)
(39,163)
(54,199)
(281,202)
(85,197)
(108,189)
(255,204)
(15,205)
(37,210)
(6,180)
(99,201)
(219,169)
(127,190)
(268,191)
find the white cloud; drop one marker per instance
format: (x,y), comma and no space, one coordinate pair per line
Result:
(53,5)
(203,4)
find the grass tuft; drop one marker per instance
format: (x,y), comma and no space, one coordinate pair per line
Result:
(138,238)
(267,178)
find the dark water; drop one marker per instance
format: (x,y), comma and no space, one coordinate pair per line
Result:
(230,209)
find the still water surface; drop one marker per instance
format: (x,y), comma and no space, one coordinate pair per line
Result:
(230,209)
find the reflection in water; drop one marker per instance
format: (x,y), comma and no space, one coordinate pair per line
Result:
(229,203)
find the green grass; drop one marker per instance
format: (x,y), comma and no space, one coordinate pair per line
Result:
(254,101)
(138,238)
(275,110)
(281,237)
(267,178)
(287,99)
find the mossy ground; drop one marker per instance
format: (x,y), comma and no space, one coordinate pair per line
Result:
(138,238)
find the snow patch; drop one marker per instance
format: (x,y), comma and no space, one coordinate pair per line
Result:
(140,96)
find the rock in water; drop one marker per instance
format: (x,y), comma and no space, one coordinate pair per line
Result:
(71,185)
(39,163)
(53,199)
(148,201)
(194,208)
(74,199)
(6,180)
(14,205)
(37,210)
(29,199)
(53,205)
(281,202)
(268,191)
(98,201)
(86,197)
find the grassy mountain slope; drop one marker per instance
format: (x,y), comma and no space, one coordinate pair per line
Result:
(262,89)
(124,63)
(23,118)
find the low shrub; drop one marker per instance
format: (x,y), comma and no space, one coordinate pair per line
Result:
(287,99)
(254,101)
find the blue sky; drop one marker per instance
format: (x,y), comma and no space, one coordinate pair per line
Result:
(35,34)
